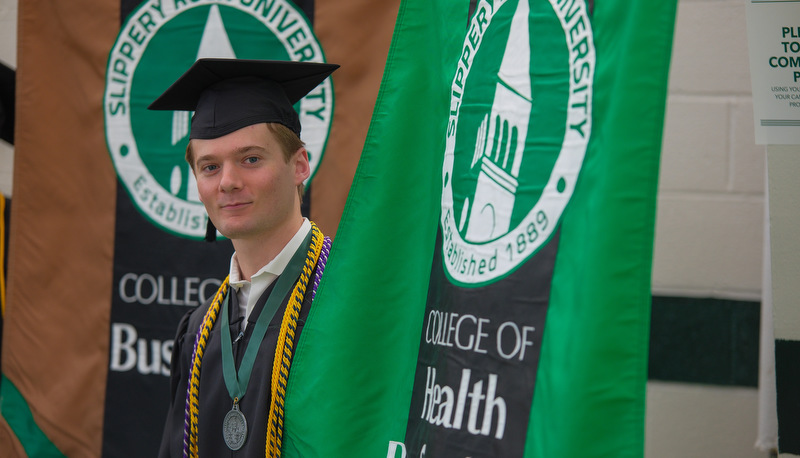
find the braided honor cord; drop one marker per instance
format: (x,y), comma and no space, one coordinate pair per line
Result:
(284,349)
(323,259)
(193,391)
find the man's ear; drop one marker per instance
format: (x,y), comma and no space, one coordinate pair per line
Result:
(302,169)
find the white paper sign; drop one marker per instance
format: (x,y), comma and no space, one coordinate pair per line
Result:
(773,30)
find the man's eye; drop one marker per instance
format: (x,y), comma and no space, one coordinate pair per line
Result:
(209,168)
(251,160)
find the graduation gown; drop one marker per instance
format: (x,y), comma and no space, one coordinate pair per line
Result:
(215,402)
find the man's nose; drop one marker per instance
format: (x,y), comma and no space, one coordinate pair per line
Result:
(230,179)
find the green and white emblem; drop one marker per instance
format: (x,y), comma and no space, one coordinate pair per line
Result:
(158,42)
(520,121)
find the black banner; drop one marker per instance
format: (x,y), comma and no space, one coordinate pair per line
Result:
(478,361)
(161,271)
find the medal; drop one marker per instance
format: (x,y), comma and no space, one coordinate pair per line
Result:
(234,427)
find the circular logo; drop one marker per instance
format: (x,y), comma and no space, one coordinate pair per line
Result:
(157,43)
(520,121)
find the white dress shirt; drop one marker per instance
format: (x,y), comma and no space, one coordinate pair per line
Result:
(248,292)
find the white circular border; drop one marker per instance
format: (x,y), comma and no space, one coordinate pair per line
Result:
(567,166)
(132,170)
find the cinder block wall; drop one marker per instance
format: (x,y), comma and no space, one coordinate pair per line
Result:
(710,224)
(8,55)
(710,217)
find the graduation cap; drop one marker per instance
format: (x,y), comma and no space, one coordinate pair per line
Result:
(229,94)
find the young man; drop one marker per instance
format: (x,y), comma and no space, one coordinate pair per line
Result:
(250,165)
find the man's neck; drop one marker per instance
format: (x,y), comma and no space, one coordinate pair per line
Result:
(254,253)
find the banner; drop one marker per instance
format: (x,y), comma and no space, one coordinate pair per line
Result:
(55,336)
(106,255)
(489,291)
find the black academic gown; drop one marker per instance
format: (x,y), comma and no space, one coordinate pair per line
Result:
(215,402)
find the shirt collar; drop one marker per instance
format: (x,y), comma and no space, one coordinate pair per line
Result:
(274,267)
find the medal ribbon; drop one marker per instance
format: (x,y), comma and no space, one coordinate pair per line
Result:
(237,382)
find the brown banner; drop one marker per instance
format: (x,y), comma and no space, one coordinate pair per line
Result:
(55,347)
(356,35)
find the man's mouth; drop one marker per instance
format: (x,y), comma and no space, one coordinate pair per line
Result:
(234,205)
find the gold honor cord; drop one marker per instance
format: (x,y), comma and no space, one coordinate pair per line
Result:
(281,363)
(193,395)
(284,349)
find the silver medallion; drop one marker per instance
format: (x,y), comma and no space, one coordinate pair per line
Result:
(234,428)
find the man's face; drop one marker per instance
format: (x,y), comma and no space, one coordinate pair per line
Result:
(246,185)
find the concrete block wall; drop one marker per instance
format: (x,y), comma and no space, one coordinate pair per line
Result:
(8,55)
(710,217)
(710,220)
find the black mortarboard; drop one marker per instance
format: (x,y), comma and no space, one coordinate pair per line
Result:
(228,94)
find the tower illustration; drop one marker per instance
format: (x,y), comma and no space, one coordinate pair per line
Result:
(213,43)
(499,149)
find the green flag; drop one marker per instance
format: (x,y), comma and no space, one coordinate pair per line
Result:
(488,293)
(355,361)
